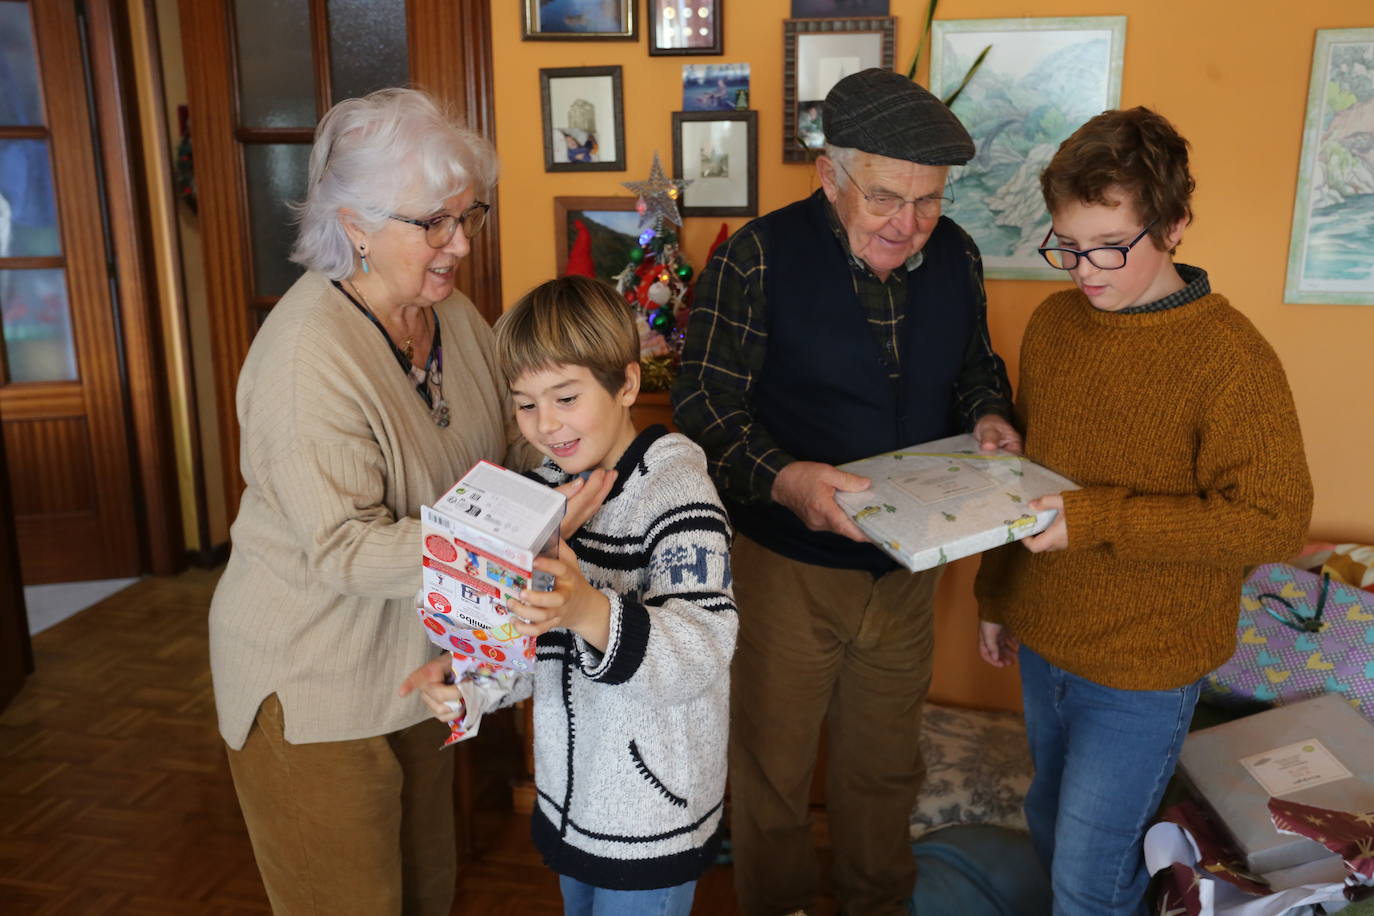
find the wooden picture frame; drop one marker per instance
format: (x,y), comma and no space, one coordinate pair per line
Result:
(578,20)
(583,114)
(817,54)
(685,27)
(613,222)
(719,152)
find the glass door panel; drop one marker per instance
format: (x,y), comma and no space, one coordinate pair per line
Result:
(367,47)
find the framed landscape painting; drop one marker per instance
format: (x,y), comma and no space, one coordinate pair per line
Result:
(612,224)
(1041,79)
(1331,252)
(580,20)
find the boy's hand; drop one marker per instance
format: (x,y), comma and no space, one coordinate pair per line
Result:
(584,498)
(993,432)
(1056,536)
(996,644)
(808,489)
(573,604)
(434,679)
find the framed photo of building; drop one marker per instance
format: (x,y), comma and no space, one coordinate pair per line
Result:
(685,27)
(612,225)
(1019,106)
(584,119)
(1331,250)
(817,54)
(719,152)
(579,20)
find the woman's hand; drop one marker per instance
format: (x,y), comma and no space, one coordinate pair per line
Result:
(1056,536)
(996,644)
(573,604)
(584,498)
(434,681)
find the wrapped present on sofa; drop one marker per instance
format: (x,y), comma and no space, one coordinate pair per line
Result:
(1299,635)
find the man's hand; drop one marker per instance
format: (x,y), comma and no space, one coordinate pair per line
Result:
(573,604)
(996,644)
(808,489)
(994,432)
(1056,536)
(434,681)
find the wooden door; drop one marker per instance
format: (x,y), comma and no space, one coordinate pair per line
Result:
(63,405)
(259,75)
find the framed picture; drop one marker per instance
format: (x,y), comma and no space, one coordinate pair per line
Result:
(685,27)
(817,54)
(612,223)
(580,20)
(1040,81)
(584,119)
(715,87)
(824,9)
(719,152)
(1331,252)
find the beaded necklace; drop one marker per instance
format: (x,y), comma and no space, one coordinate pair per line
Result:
(428,381)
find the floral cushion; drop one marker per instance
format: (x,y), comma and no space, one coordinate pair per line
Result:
(978,769)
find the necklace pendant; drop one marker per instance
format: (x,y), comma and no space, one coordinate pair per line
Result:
(436,378)
(440,414)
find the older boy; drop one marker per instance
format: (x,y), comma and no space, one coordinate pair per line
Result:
(1173,412)
(631,683)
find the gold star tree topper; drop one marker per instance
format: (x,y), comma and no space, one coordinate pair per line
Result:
(659,194)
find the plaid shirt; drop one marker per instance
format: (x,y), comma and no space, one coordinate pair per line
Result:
(1197,286)
(728,337)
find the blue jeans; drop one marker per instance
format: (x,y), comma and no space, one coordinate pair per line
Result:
(1102,760)
(585,900)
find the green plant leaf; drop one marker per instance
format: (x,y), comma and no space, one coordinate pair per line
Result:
(925,34)
(977,62)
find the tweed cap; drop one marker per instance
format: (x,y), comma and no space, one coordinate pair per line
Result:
(886,114)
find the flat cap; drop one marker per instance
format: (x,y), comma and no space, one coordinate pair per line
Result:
(886,114)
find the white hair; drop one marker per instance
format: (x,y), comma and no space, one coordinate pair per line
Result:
(390,150)
(841,156)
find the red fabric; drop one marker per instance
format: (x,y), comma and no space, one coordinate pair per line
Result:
(721,236)
(580,257)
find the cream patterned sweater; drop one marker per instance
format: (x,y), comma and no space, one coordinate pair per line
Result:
(339,452)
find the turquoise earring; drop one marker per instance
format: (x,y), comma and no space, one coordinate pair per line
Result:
(363,253)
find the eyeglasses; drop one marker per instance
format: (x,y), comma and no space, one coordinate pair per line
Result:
(1106,257)
(439,230)
(890,205)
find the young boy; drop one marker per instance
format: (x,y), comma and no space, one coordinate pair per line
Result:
(1173,413)
(631,680)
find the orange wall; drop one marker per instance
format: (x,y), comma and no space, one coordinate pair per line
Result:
(1233,78)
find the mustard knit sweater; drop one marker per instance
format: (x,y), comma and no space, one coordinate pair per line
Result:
(1181,430)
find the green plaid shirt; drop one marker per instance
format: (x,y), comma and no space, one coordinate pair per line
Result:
(728,337)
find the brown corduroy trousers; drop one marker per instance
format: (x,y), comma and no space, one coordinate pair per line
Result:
(840,648)
(342,827)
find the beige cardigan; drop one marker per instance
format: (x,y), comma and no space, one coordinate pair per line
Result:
(339,452)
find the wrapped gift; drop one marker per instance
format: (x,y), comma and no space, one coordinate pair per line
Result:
(1299,635)
(1318,753)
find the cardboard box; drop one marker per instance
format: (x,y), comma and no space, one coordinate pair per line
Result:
(1317,752)
(478,544)
(942,500)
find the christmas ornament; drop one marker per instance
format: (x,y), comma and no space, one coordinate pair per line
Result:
(684,271)
(658,193)
(636,255)
(659,294)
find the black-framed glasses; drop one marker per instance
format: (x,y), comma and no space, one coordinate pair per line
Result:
(1105,257)
(439,230)
(889,205)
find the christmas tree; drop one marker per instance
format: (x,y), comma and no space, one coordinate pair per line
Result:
(657,280)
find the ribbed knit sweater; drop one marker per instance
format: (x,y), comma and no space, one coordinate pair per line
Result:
(629,744)
(1181,430)
(338,453)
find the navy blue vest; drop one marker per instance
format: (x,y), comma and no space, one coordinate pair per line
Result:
(823,393)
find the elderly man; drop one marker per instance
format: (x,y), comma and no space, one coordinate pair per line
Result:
(847,324)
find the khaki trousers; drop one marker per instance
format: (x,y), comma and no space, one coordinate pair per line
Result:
(343,827)
(838,647)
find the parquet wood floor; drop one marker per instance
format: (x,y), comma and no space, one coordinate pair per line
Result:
(115,795)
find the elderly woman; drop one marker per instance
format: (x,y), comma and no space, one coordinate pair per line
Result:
(371,387)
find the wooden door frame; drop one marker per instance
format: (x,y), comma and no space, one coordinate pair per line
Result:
(450,57)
